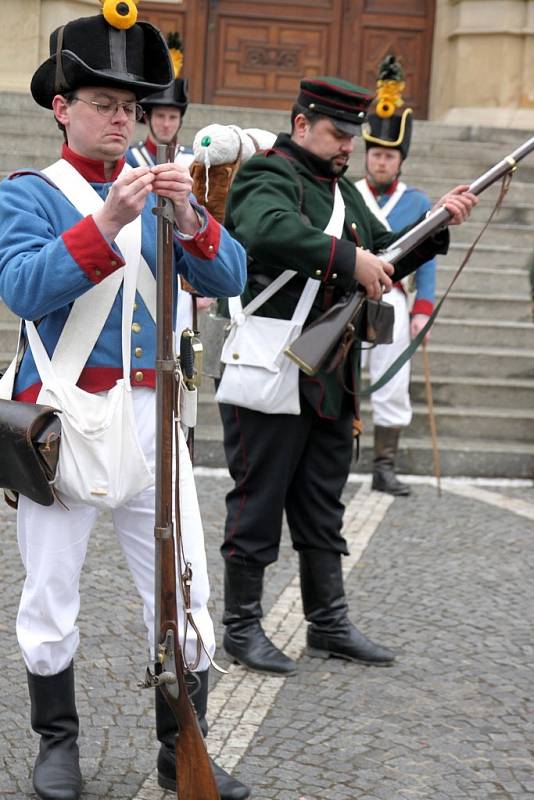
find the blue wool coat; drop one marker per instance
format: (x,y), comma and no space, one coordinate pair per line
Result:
(50,255)
(411,206)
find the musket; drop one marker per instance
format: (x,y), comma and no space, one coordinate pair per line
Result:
(194,775)
(311,349)
(191,366)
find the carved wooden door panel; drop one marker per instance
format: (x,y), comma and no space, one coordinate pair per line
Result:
(254,52)
(376,28)
(189,19)
(258,51)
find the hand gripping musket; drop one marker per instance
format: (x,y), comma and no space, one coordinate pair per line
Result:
(313,346)
(194,774)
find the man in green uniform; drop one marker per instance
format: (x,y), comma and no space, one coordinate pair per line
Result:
(279,206)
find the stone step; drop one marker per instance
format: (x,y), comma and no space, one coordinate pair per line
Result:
(488,280)
(8,336)
(463,360)
(435,186)
(458,457)
(506,424)
(476,305)
(485,255)
(497,235)
(482,332)
(492,392)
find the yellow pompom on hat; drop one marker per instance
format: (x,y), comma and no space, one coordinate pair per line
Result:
(121,14)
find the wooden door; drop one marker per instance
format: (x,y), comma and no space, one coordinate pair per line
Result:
(404,28)
(258,51)
(254,53)
(189,19)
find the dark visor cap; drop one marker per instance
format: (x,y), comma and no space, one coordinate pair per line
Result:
(344,103)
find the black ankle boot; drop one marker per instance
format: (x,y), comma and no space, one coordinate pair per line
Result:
(166,728)
(56,775)
(330,632)
(244,638)
(384,478)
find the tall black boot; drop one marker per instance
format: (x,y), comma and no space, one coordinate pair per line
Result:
(166,729)
(330,632)
(386,447)
(244,638)
(56,775)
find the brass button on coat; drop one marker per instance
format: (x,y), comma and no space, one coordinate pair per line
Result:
(138,352)
(318,272)
(136,327)
(98,273)
(138,377)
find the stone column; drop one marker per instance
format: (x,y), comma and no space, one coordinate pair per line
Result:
(483,60)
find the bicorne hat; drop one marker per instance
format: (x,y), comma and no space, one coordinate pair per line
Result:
(91,51)
(174,95)
(344,103)
(387,125)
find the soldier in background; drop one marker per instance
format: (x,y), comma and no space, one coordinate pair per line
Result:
(164,115)
(395,205)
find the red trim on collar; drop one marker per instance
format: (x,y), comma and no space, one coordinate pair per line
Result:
(89,168)
(151,146)
(389,191)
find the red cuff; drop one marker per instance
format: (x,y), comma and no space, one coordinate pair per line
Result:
(206,242)
(422,307)
(91,251)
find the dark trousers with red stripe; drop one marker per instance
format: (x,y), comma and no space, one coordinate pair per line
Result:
(284,462)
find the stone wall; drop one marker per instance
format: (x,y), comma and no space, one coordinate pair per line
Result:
(483,62)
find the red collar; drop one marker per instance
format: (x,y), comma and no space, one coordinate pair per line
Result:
(92,171)
(389,191)
(151,146)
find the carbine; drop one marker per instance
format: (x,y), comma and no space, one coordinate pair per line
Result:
(194,775)
(311,349)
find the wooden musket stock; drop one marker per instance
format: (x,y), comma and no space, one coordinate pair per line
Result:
(312,347)
(194,775)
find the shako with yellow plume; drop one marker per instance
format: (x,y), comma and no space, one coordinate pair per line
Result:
(387,125)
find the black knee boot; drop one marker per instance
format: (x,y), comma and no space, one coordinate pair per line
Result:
(244,638)
(330,632)
(56,775)
(166,728)
(384,478)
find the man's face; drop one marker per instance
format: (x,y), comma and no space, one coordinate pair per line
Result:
(165,122)
(324,140)
(383,165)
(103,131)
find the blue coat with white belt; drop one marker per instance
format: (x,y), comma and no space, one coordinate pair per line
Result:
(50,255)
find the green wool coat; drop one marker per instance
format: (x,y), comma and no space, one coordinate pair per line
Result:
(278,206)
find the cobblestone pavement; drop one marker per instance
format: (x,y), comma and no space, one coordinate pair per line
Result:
(446,581)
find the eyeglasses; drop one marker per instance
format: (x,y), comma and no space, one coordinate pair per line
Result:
(132,110)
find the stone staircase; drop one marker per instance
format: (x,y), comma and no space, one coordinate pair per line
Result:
(482,346)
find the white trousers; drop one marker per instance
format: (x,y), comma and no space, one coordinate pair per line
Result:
(391,404)
(53,544)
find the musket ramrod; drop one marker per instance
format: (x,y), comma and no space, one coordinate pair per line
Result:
(312,347)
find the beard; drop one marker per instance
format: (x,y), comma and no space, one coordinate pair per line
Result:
(338,168)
